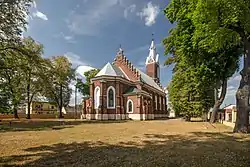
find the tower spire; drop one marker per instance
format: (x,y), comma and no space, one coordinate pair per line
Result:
(152,62)
(120,51)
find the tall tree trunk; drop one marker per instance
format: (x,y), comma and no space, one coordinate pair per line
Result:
(242,94)
(28,112)
(61,102)
(15,111)
(28,95)
(219,101)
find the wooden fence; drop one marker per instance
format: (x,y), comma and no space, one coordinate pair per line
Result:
(70,115)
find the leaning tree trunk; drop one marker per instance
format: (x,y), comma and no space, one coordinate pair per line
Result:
(242,94)
(219,101)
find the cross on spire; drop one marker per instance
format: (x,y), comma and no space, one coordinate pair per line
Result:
(120,50)
(153,36)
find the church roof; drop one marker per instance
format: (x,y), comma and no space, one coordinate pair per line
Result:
(113,70)
(133,90)
(110,70)
(147,79)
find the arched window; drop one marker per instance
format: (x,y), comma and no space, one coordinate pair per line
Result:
(111,97)
(130,106)
(160,100)
(97,97)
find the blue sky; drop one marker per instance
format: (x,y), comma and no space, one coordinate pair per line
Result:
(89,32)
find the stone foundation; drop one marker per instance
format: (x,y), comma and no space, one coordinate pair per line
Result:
(124,116)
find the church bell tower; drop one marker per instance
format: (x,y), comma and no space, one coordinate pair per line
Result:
(152,63)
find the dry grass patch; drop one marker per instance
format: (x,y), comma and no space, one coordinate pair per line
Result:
(132,143)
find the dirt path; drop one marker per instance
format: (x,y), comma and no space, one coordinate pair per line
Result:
(133,143)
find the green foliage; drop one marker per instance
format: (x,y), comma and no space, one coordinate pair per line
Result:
(14,14)
(84,87)
(4,100)
(58,75)
(198,65)
(21,81)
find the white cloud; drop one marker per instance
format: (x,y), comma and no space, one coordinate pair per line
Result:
(230,87)
(79,71)
(97,15)
(82,69)
(68,38)
(149,13)
(34,4)
(237,77)
(75,59)
(40,15)
(37,13)
(129,9)
(233,84)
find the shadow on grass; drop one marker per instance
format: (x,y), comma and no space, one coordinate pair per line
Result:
(38,125)
(192,149)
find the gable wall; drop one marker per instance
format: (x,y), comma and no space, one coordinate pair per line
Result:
(127,67)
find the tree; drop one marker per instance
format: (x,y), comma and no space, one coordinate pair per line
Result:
(14,19)
(14,14)
(58,76)
(32,67)
(12,81)
(215,65)
(189,94)
(84,87)
(226,23)
(4,98)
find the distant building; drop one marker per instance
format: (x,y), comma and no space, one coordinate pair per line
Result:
(171,112)
(42,107)
(121,91)
(230,113)
(226,115)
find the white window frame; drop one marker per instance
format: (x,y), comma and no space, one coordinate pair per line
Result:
(128,106)
(111,87)
(97,99)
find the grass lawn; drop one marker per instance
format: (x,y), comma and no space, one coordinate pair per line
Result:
(172,143)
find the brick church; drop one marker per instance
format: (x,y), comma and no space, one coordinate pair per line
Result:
(121,91)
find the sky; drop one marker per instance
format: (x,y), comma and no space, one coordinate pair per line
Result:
(89,32)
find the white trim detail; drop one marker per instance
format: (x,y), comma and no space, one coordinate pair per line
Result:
(110,87)
(97,94)
(124,73)
(129,100)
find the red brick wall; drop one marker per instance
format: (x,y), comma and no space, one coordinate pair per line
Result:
(136,110)
(151,70)
(157,110)
(121,102)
